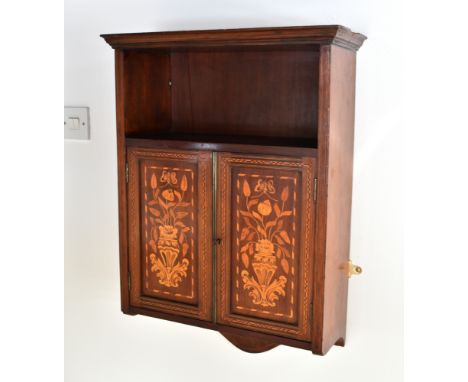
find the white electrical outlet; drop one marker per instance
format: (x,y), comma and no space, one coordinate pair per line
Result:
(76,123)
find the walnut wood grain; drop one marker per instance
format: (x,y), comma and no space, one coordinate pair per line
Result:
(335,161)
(323,34)
(146,91)
(122,184)
(221,328)
(226,144)
(266,93)
(249,344)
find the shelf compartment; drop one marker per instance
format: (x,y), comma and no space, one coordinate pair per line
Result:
(262,92)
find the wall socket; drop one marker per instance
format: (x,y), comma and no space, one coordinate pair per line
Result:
(76,123)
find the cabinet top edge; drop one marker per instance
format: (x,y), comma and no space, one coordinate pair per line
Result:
(320,34)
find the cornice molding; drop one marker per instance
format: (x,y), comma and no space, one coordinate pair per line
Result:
(320,35)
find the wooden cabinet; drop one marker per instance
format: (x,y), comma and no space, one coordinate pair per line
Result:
(235,156)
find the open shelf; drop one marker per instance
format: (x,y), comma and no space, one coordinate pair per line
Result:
(255,96)
(225,138)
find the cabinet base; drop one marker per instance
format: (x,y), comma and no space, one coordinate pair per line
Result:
(249,344)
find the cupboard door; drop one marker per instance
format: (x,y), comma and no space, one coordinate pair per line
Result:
(265,229)
(170,236)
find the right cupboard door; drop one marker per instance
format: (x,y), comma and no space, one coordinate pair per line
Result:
(265,236)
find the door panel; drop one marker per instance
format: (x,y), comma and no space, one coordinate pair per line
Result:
(170,236)
(264,257)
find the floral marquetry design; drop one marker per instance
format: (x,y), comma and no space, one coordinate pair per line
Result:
(266,213)
(169,209)
(169,231)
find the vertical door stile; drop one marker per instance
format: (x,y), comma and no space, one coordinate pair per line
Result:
(214,225)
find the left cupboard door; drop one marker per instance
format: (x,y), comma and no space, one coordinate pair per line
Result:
(169,231)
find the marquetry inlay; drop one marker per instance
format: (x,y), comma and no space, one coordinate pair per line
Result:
(169,225)
(265,239)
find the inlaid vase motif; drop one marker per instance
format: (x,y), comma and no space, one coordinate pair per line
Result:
(169,241)
(168,270)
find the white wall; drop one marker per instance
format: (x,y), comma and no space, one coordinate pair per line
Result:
(102,344)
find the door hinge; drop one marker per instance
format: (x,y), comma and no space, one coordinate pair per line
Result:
(126,172)
(129,280)
(315,189)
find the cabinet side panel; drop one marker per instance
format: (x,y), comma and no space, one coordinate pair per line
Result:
(122,185)
(340,172)
(147,92)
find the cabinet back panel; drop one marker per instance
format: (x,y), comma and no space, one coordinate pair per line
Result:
(265,92)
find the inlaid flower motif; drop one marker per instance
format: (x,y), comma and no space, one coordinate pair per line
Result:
(168,195)
(265,245)
(170,235)
(265,208)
